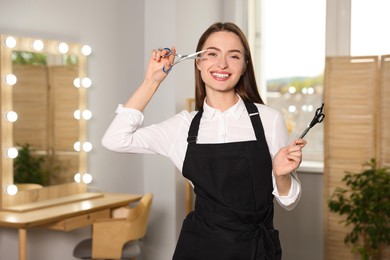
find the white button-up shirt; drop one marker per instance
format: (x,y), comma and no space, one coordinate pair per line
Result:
(169,138)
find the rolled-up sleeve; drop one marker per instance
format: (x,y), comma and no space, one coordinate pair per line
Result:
(126,134)
(291,200)
(118,136)
(277,138)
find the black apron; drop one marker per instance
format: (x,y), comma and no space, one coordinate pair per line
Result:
(233,216)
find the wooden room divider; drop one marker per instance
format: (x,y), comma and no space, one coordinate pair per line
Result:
(357,122)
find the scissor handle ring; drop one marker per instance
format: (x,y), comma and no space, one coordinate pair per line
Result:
(169,52)
(166,71)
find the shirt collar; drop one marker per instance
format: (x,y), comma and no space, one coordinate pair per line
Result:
(235,111)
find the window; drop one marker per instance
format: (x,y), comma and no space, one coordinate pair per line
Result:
(369,32)
(292,54)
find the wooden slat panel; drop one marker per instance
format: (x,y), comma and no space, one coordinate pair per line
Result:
(351,89)
(385,112)
(65,102)
(31,104)
(66,165)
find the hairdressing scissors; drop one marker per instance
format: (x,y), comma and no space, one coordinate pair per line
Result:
(318,118)
(181,57)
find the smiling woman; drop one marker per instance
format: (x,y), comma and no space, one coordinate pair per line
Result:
(234,149)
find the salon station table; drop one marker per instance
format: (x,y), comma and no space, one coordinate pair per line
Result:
(65,214)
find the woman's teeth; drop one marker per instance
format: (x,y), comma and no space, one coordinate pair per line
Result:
(220,75)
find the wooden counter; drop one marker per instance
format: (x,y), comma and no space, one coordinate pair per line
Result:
(67,213)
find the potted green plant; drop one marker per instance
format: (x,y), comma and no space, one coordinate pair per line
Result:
(29,168)
(365,202)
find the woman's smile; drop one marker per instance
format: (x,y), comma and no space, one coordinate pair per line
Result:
(220,76)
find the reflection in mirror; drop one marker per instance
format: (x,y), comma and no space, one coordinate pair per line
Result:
(45,99)
(43,103)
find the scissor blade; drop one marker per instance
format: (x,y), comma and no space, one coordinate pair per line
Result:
(189,56)
(194,55)
(304,133)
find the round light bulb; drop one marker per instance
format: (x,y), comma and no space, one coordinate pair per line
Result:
(86,82)
(10,42)
(292,109)
(87,114)
(77,177)
(77,82)
(38,45)
(11,79)
(86,50)
(12,189)
(11,116)
(87,147)
(12,152)
(292,90)
(87,178)
(77,146)
(77,114)
(63,48)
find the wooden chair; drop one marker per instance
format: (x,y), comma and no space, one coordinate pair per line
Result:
(118,237)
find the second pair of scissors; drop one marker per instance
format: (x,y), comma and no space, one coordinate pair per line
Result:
(181,57)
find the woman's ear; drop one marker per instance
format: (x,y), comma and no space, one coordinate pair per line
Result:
(197,65)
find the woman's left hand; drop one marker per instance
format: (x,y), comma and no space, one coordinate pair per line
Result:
(288,158)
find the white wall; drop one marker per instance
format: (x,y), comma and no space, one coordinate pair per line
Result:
(122,34)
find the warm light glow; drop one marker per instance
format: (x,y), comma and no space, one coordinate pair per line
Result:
(77,114)
(10,42)
(11,79)
(12,189)
(77,82)
(77,146)
(86,50)
(12,153)
(292,109)
(87,114)
(292,90)
(11,116)
(77,177)
(87,147)
(63,47)
(86,82)
(38,45)
(87,178)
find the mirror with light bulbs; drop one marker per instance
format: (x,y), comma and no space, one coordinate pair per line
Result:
(44,112)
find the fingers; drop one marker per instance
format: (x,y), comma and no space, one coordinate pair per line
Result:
(294,150)
(298,142)
(166,56)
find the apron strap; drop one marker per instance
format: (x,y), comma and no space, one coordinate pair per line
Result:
(194,127)
(254,115)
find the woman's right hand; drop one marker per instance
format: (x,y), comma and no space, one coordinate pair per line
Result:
(160,58)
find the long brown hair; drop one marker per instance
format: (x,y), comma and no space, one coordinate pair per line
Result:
(246,87)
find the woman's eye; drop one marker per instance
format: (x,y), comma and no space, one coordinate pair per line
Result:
(212,54)
(235,57)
